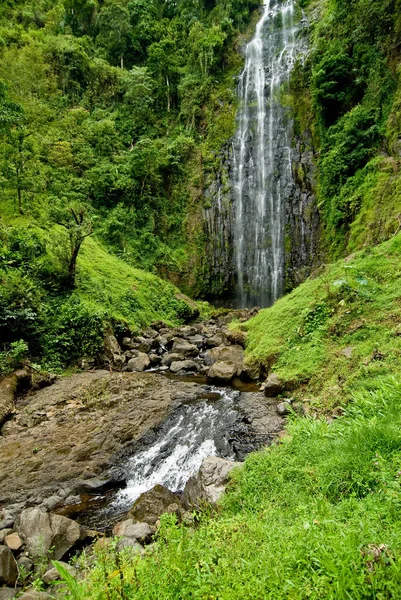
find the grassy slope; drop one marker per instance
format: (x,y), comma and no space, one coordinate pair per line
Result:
(354,303)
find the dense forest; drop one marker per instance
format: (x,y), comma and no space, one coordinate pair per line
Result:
(110,114)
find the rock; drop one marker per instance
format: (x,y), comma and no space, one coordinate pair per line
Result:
(4,533)
(184,348)
(33,594)
(8,566)
(13,541)
(138,531)
(112,349)
(127,343)
(284,408)
(272,387)
(132,543)
(169,358)
(222,372)
(8,388)
(252,371)
(236,337)
(196,340)
(347,352)
(216,340)
(155,360)
(230,354)
(24,563)
(145,346)
(53,575)
(152,504)
(42,532)
(139,364)
(7,593)
(183,365)
(189,309)
(209,483)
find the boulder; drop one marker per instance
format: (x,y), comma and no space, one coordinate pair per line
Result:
(25,563)
(252,371)
(4,533)
(170,358)
(283,409)
(216,340)
(8,388)
(33,594)
(272,387)
(237,337)
(230,354)
(183,365)
(13,541)
(8,566)
(139,364)
(222,372)
(152,504)
(155,360)
(209,483)
(142,532)
(132,543)
(42,532)
(53,575)
(7,593)
(184,348)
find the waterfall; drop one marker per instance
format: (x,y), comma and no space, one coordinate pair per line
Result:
(262,165)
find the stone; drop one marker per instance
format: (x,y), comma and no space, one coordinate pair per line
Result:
(347,352)
(222,372)
(8,566)
(127,343)
(33,594)
(138,531)
(8,388)
(209,483)
(272,387)
(216,340)
(4,533)
(152,504)
(155,360)
(184,348)
(229,354)
(169,358)
(42,532)
(7,593)
(53,575)
(252,371)
(25,563)
(145,346)
(284,408)
(132,543)
(183,365)
(139,364)
(111,346)
(236,337)
(13,541)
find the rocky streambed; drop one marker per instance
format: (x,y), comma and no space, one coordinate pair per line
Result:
(94,445)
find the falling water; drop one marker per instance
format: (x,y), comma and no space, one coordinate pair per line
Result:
(262,172)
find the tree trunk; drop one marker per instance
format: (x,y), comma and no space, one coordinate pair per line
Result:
(72,267)
(19,193)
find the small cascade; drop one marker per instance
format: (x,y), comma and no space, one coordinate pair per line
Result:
(262,164)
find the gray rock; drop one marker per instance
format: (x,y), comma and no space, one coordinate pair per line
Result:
(139,531)
(183,365)
(231,354)
(8,387)
(145,346)
(184,348)
(152,504)
(8,566)
(25,563)
(222,372)
(284,408)
(7,593)
(53,575)
(272,387)
(209,483)
(139,364)
(155,360)
(34,595)
(216,340)
(43,532)
(4,533)
(132,543)
(170,358)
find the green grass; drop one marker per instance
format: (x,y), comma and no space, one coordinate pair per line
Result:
(315,516)
(352,304)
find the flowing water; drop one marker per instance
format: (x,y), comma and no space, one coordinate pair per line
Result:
(262,171)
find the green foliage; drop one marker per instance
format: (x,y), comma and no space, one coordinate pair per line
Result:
(13,358)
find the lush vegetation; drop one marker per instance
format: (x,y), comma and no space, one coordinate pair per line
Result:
(347,98)
(110,114)
(315,516)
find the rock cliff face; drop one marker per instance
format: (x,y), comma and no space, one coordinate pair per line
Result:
(261,223)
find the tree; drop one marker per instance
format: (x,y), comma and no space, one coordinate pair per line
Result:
(115,32)
(11,113)
(79,227)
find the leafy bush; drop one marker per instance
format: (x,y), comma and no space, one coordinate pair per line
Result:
(12,358)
